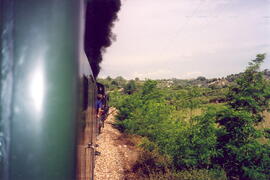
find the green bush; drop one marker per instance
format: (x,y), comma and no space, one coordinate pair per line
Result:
(191,144)
(240,153)
(199,137)
(195,174)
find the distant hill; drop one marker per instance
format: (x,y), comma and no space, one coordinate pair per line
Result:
(215,83)
(204,82)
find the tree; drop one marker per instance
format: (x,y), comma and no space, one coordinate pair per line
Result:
(201,78)
(130,87)
(109,78)
(121,81)
(241,155)
(114,83)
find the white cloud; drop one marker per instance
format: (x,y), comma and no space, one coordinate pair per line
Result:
(159,74)
(189,75)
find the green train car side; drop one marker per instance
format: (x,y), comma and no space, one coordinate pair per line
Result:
(47,92)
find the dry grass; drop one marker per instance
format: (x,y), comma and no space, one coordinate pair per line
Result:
(266,123)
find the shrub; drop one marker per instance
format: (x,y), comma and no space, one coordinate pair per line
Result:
(240,154)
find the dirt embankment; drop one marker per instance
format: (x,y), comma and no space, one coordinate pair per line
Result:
(117,153)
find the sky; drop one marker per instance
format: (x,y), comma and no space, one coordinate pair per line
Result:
(184,39)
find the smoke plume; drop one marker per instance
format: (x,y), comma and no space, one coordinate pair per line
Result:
(100,17)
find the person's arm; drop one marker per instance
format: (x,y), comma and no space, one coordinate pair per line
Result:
(99,113)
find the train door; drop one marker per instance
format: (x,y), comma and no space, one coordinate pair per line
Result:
(92,122)
(86,130)
(86,122)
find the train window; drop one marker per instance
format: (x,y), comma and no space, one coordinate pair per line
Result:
(85,85)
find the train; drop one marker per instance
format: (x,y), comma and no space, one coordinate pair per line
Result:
(48,122)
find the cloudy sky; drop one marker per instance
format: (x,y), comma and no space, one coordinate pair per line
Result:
(187,38)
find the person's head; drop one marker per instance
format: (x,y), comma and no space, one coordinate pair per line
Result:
(99,96)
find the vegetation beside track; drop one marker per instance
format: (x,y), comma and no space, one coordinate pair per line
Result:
(199,132)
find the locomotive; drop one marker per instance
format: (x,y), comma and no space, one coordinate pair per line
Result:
(48,124)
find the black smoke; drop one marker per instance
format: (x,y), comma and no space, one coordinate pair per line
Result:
(100,17)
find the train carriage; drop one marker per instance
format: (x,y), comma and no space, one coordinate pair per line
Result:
(48,92)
